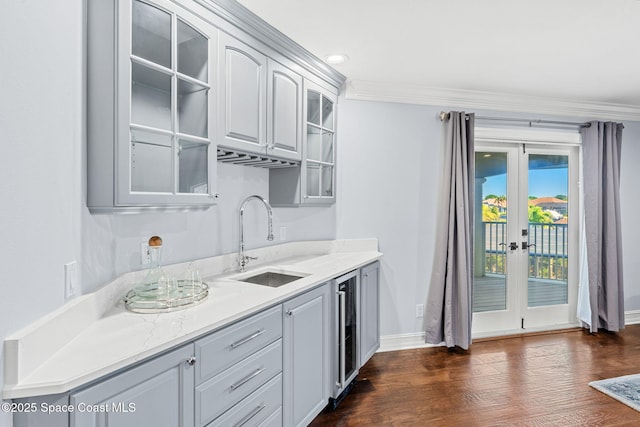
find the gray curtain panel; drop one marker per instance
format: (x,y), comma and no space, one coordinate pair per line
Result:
(601,147)
(448,309)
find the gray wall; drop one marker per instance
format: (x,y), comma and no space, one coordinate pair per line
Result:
(388,176)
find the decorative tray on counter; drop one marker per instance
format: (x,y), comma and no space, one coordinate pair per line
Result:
(156,299)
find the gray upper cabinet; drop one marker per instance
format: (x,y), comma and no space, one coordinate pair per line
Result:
(284,112)
(151,73)
(313,183)
(242,95)
(318,165)
(260,102)
(157,393)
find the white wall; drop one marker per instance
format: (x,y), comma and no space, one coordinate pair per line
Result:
(40,181)
(388,164)
(388,180)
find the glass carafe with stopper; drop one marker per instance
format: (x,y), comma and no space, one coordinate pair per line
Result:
(155,276)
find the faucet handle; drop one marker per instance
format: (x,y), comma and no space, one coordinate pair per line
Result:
(244,260)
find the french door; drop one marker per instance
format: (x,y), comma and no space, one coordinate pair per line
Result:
(526,235)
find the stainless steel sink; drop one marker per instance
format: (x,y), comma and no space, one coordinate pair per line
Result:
(272,279)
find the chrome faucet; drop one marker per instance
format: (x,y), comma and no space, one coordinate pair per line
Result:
(243,260)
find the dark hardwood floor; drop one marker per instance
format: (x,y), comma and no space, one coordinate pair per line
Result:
(539,380)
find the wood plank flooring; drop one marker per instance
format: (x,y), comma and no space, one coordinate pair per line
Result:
(532,380)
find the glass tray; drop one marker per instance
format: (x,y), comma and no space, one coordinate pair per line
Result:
(154,300)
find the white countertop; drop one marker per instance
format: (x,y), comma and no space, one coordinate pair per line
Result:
(94,335)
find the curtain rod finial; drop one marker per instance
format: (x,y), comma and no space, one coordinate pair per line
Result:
(444,116)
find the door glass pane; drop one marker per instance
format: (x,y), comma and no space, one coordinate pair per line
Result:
(151,35)
(327,147)
(313,179)
(313,107)
(192,164)
(192,109)
(150,97)
(327,113)
(314,143)
(548,230)
(327,181)
(151,162)
(490,247)
(192,52)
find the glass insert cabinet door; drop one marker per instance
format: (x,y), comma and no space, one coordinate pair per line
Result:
(319,158)
(168,157)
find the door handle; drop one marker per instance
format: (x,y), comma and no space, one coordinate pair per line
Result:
(342,299)
(513,246)
(526,245)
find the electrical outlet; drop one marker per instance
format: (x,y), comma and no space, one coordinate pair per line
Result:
(283,233)
(419,310)
(70,280)
(145,259)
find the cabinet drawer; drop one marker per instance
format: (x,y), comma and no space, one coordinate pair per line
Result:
(224,348)
(231,386)
(262,408)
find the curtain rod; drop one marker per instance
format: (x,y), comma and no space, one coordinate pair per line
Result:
(445,116)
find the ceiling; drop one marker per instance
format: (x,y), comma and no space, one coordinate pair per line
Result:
(576,57)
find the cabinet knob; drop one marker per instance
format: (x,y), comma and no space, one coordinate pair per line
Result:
(214,196)
(191,361)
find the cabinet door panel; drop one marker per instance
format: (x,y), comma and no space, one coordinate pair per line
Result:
(158,393)
(242,95)
(284,112)
(306,356)
(150,67)
(369,311)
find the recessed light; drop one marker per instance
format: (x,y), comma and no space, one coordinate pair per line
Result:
(336,58)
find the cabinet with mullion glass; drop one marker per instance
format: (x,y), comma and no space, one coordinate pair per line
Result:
(318,177)
(313,183)
(155,132)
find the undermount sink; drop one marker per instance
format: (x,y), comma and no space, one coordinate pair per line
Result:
(272,278)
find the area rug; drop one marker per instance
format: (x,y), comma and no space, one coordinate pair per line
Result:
(625,389)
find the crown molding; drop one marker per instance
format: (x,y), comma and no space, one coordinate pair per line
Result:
(242,18)
(467,99)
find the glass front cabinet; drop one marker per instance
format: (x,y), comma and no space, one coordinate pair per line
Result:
(150,107)
(171,81)
(318,177)
(313,183)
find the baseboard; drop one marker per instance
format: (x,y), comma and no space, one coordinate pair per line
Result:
(403,342)
(632,317)
(416,339)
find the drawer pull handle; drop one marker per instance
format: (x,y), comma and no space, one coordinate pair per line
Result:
(250,415)
(247,339)
(247,379)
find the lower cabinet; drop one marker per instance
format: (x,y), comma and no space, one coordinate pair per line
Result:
(158,393)
(239,372)
(270,369)
(369,311)
(306,356)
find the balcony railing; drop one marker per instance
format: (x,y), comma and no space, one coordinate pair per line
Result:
(547,259)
